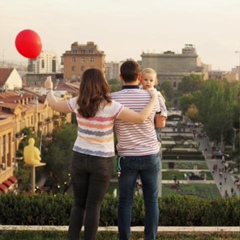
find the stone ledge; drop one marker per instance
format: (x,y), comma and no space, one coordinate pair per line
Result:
(114,228)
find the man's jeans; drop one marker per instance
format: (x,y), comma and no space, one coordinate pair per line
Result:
(90,179)
(147,167)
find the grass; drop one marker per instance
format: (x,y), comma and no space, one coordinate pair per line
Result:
(206,191)
(168,175)
(53,235)
(187,165)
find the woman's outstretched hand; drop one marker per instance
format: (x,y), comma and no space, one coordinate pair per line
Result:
(48,84)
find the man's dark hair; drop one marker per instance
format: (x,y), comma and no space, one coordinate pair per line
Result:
(129,71)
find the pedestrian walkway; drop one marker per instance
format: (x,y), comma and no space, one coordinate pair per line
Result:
(228,183)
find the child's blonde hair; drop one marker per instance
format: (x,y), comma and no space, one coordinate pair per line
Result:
(151,71)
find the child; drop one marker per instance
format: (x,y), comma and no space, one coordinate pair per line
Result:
(148,81)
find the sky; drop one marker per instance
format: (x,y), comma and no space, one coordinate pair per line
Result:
(126,28)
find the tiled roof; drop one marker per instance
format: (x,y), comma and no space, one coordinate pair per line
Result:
(9,105)
(13,96)
(72,88)
(4,75)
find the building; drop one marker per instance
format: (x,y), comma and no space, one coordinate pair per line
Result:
(80,58)
(37,79)
(172,67)
(9,79)
(236,70)
(21,109)
(230,76)
(46,62)
(113,70)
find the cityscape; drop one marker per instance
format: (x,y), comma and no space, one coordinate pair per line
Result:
(190,162)
(195,52)
(23,99)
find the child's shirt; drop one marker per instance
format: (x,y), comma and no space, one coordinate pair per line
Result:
(163,107)
(161,100)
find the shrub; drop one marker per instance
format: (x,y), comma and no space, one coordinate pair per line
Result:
(174,211)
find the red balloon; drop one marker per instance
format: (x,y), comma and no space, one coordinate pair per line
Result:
(28,44)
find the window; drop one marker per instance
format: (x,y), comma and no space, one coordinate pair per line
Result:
(91,59)
(74,59)
(73,68)
(82,59)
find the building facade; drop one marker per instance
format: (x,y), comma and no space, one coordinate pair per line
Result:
(113,70)
(80,58)
(173,67)
(20,109)
(46,62)
(9,79)
(230,76)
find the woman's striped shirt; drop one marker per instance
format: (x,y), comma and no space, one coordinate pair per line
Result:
(95,134)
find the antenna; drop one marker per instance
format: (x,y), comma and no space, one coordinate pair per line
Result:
(3,58)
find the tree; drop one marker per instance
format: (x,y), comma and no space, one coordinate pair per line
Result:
(57,153)
(190,84)
(115,84)
(186,100)
(167,89)
(215,107)
(192,112)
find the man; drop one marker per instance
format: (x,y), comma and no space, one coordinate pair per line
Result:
(138,151)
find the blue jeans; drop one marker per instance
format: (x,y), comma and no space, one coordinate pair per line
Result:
(147,167)
(90,179)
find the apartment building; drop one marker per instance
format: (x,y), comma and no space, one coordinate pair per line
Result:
(20,109)
(46,62)
(113,70)
(230,76)
(80,58)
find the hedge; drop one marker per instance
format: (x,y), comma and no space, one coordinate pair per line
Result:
(43,209)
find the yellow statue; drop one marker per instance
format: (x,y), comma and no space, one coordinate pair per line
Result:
(31,154)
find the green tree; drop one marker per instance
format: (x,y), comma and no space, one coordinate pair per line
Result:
(186,100)
(190,84)
(57,153)
(115,84)
(215,108)
(167,89)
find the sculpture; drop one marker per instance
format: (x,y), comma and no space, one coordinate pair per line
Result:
(31,154)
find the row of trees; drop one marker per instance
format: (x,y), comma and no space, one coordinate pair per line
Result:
(214,103)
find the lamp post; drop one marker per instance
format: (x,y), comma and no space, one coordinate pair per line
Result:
(234,138)
(238,67)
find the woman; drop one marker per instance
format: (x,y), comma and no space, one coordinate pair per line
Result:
(93,150)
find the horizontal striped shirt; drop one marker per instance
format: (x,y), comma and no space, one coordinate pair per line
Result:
(95,135)
(136,139)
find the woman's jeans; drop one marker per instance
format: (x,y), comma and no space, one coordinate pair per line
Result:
(147,167)
(90,177)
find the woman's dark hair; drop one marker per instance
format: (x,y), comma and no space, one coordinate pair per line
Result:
(129,71)
(93,92)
